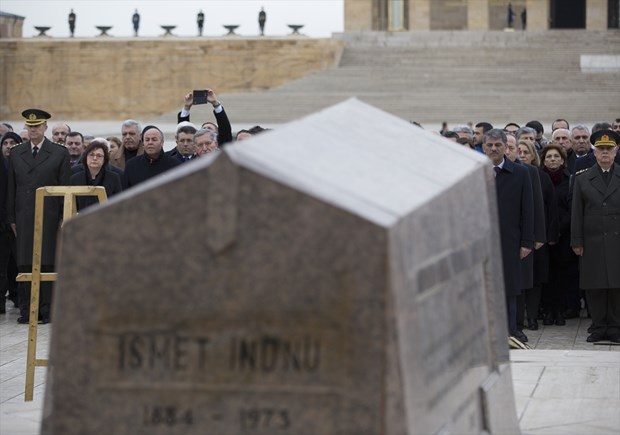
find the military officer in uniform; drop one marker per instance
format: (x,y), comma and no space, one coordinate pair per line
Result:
(35,163)
(595,236)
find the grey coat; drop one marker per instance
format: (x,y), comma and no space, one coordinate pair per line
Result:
(50,168)
(595,225)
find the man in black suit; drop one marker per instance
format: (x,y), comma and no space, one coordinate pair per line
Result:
(516,218)
(595,236)
(4,252)
(35,163)
(185,149)
(223,129)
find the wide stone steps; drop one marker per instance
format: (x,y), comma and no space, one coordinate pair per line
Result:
(451,76)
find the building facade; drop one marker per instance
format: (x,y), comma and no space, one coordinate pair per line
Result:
(11,25)
(481,15)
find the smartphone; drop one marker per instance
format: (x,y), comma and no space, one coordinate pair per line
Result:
(200,97)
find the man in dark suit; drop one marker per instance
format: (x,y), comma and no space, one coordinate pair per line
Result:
(223,129)
(35,163)
(4,250)
(516,218)
(540,230)
(185,149)
(595,236)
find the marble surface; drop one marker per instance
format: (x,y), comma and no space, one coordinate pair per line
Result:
(324,285)
(534,373)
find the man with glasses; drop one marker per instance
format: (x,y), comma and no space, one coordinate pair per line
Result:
(206,142)
(515,205)
(595,236)
(35,163)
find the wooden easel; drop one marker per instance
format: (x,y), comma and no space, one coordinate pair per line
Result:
(69,210)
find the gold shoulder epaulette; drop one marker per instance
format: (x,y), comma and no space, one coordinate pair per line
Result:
(581,171)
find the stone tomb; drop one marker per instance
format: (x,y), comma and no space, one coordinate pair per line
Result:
(340,275)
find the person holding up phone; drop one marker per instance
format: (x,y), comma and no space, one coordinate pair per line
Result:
(207,96)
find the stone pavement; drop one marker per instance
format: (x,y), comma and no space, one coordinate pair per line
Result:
(563,386)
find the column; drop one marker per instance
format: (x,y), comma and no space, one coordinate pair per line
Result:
(396,15)
(420,14)
(478,15)
(537,15)
(358,15)
(596,15)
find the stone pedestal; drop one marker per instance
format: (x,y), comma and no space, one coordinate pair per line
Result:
(324,278)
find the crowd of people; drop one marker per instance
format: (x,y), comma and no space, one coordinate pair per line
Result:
(559,218)
(558,203)
(31,160)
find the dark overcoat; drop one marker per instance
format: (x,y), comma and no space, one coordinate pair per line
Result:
(516,220)
(540,229)
(541,256)
(26,174)
(595,225)
(108,179)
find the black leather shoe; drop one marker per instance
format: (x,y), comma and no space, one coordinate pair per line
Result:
(532,324)
(44,320)
(23,320)
(615,338)
(559,319)
(595,337)
(519,335)
(549,319)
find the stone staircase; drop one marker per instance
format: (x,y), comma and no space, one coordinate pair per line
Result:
(456,77)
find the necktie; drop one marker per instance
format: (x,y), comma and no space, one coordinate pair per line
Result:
(35,150)
(606,177)
(496,169)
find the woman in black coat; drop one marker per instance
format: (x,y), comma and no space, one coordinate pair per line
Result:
(95,160)
(563,263)
(528,155)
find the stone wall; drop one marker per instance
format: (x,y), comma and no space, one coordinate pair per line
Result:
(124,77)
